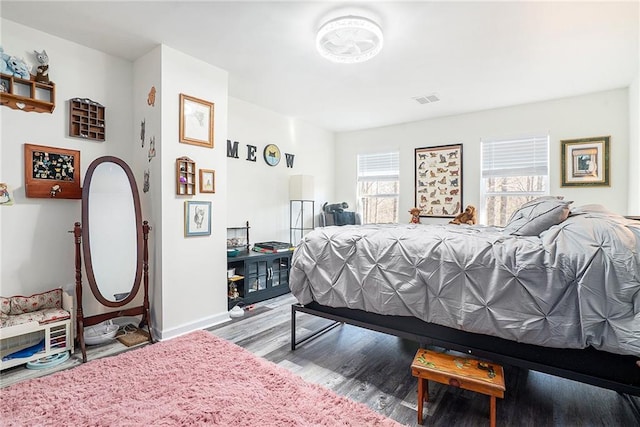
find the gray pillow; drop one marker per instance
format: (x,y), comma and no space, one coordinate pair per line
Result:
(538,215)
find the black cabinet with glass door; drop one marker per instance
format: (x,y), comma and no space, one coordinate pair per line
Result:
(259,276)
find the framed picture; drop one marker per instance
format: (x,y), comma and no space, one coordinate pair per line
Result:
(197,218)
(6,198)
(196,121)
(207,181)
(439,181)
(585,162)
(51,172)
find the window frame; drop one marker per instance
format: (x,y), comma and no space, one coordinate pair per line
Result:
(484,194)
(375,178)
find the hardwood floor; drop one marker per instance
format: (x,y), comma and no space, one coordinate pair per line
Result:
(374,369)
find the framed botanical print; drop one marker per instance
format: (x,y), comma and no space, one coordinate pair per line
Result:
(196,121)
(438,181)
(585,162)
(51,172)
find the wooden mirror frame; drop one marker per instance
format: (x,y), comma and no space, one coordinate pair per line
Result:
(86,241)
(142,263)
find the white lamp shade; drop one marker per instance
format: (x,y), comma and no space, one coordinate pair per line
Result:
(301,187)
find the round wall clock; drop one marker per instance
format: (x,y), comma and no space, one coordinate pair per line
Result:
(272,154)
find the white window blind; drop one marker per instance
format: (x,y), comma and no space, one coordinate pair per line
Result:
(515,157)
(379,167)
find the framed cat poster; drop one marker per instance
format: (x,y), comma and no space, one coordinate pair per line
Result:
(438,181)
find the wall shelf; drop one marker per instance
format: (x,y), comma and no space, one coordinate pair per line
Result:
(27,95)
(185,177)
(238,237)
(86,119)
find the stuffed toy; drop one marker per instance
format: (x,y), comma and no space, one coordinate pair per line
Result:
(415,216)
(42,70)
(4,66)
(18,68)
(336,207)
(467,217)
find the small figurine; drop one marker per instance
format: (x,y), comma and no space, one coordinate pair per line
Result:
(42,69)
(151,98)
(142,131)
(55,190)
(152,148)
(145,186)
(3,87)
(415,216)
(5,195)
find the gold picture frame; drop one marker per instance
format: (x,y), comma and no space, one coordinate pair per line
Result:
(585,162)
(207,181)
(196,121)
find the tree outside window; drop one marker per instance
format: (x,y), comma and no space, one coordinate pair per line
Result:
(378,187)
(514,171)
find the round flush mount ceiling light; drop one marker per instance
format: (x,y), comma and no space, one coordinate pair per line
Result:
(349,39)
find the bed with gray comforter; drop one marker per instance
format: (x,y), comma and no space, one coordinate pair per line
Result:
(574,284)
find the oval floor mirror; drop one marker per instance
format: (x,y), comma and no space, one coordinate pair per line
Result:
(114,242)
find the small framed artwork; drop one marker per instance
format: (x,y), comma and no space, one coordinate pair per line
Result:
(51,172)
(196,121)
(197,218)
(439,181)
(585,161)
(6,198)
(207,181)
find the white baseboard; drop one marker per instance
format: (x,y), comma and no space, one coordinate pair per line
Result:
(207,322)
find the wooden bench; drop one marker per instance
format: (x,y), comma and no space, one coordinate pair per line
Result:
(458,371)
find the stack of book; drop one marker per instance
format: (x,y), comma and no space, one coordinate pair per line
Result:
(272,247)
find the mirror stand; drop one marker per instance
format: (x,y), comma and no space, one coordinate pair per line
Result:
(142,310)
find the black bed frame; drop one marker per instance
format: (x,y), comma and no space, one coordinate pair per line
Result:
(590,366)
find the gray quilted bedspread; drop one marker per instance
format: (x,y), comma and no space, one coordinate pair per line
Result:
(575,285)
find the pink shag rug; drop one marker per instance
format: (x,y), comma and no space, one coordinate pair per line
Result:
(195,379)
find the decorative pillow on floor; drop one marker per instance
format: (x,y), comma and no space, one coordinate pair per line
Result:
(538,215)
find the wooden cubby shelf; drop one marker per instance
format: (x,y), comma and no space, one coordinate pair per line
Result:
(86,119)
(27,95)
(185,176)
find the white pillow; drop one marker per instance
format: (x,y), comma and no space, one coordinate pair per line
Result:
(538,215)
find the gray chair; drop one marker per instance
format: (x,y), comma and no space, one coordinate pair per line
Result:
(328,219)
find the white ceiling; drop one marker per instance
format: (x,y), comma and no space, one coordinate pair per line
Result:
(474,55)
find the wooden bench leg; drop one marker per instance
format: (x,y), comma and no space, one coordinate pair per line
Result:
(423,394)
(492,414)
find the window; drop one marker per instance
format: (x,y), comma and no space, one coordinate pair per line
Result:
(378,187)
(514,171)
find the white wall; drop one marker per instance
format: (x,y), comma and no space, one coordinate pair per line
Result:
(37,252)
(147,71)
(194,270)
(598,114)
(259,193)
(634,148)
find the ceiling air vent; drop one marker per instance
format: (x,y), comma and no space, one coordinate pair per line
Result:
(426,99)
